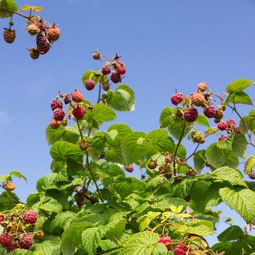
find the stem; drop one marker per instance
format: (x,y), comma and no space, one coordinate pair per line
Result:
(99,93)
(193,152)
(80,130)
(15,198)
(14,12)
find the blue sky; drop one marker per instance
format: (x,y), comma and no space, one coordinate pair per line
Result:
(166,44)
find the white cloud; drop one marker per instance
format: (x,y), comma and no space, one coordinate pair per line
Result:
(4,118)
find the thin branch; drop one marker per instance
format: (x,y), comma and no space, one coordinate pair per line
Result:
(14,12)
(99,93)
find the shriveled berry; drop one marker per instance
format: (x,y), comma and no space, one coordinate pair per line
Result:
(90,84)
(222,125)
(42,42)
(180,250)
(5,240)
(152,164)
(54,124)
(166,240)
(68,99)
(10,186)
(115,77)
(210,111)
(177,98)
(34,53)
(77,96)
(43,50)
(53,33)
(30,216)
(12,247)
(79,112)
(121,70)
(252,175)
(9,35)
(219,114)
(129,168)
(56,104)
(33,29)
(26,241)
(198,99)
(96,55)
(222,137)
(106,85)
(201,87)
(191,114)
(39,234)
(58,114)
(106,69)
(40,24)
(84,145)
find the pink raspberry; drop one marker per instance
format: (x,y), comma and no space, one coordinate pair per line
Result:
(191,114)
(180,250)
(79,112)
(56,104)
(166,240)
(30,216)
(252,174)
(5,240)
(106,69)
(222,137)
(12,247)
(115,77)
(129,168)
(77,96)
(177,98)
(90,84)
(58,114)
(210,111)
(121,70)
(26,241)
(222,125)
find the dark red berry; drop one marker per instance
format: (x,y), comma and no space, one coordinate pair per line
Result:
(90,84)
(77,96)
(166,240)
(129,168)
(210,111)
(41,25)
(191,114)
(252,174)
(30,217)
(5,240)
(42,42)
(121,70)
(106,69)
(12,247)
(1,218)
(180,250)
(58,114)
(79,112)
(177,98)
(115,77)
(26,241)
(56,104)
(222,125)
(68,99)
(43,50)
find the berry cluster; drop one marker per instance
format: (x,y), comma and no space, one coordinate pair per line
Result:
(18,227)
(129,168)
(178,249)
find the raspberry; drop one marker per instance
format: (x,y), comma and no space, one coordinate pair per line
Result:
(115,77)
(209,111)
(55,124)
(219,113)
(90,84)
(58,114)
(9,35)
(201,87)
(41,25)
(152,164)
(30,216)
(79,112)
(77,96)
(33,29)
(26,241)
(222,125)
(34,53)
(43,50)
(231,122)
(252,174)
(106,69)
(83,145)
(222,137)
(119,63)
(53,33)
(12,247)
(68,99)
(198,99)
(56,104)
(177,98)
(180,250)
(121,70)
(10,186)
(5,240)
(191,114)
(166,240)
(106,85)
(96,55)
(42,42)
(129,168)
(1,218)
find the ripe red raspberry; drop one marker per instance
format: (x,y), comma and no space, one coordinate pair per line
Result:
(10,186)
(12,247)
(210,111)
(180,250)
(43,50)
(55,124)
(115,77)
(121,70)
(68,99)
(222,137)
(42,42)
(53,33)
(1,218)
(177,98)
(9,35)
(90,84)
(58,114)
(79,112)
(198,99)
(252,174)
(129,168)
(106,69)
(30,216)
(222,125)
(56,104)
(119,63)
(201,87)
(191,114)
(26,241)
(5,240)
(77,96)
(166,240)
(34,53)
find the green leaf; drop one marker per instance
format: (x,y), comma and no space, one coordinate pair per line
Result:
(117,132)
(31,8)
(231,233)
(63,150)
(249,165)
(239,145)
(20,252)
(47,182)
(202,120)
(200,230)
(239,98)
(53,135)
(49,246)
(240,199)
(90,74)
(166,117)
(176,127)
(121,99)
(238,85)
(199,160)
(103,113)
(9,4)
(145,220)
(8,200)
(17,174)
(52,206)
(90,239)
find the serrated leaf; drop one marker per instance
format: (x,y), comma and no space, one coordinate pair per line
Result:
(8,200)
(8,4)
(231,233)
(166,117)
(103,113)
(17,174)
(240,199)
(239,145)
(202,120)
(47,182)
(238,85)
(249,165)
(176,126)
(49,246)
(199,160)
(52,206)
(239,98)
